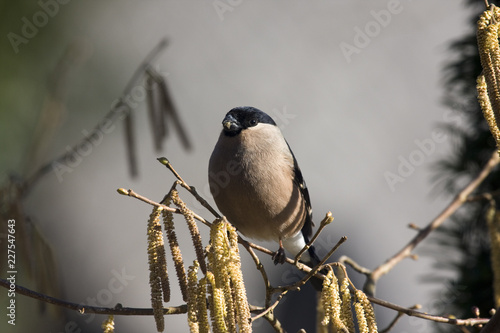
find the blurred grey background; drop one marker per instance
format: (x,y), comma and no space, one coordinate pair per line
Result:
(355,91)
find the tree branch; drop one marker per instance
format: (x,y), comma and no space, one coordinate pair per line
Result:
(116,110)
(396,319)
(413,313)
(405,252)
(117,310)
(191,189)
(132,194)
(127,311)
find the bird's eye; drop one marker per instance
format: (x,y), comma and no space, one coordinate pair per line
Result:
(252,122)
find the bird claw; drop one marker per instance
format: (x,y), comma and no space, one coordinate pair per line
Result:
(279,256)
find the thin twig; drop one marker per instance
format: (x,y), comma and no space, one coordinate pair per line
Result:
(132,194)
(296,286)
(318,266)
(354,265)
(117,310)
(270,317)
(396,319)
(326,221)
(483,196)
(270,308)
(191,189)
(494,324)
(127,311)
(438,319)
(259,265)
(117,110)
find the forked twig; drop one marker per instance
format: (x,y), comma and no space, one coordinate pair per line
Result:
(191,189)
(326,221)
(132,194)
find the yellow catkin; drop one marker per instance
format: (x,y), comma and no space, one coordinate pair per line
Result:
(220,266)
(217,305)
(108,325)
(192,304)
(225,265)
(155,278)
(202,306)
(484,102)
(336,305)
(489,53)
(156,251)
(240,294)
(346,312)
(493,221)
(157,303)
(219,252)
(360,316)
(327,298)
(368,311)
(330,299)
(168,221)
(193,229)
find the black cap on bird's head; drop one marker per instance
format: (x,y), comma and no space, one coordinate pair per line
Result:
(244,117)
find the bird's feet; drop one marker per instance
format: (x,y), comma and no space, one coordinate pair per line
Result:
(279,256)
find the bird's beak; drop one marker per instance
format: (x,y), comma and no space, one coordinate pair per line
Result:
(230,124)
(227,124)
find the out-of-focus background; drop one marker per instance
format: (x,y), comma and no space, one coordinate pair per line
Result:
(356,87)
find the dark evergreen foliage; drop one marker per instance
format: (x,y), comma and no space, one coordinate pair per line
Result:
(462,244)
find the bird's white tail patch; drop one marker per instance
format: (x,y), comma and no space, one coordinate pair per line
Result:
(296,243)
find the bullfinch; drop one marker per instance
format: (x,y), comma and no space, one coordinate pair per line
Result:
(257,184)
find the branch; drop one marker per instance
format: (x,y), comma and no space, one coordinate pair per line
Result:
(494,324)
(316,269)
(113,114)
(357,267)
(117,310)
(373,276)
(405,252)
(132,194)
(270,317)
(396,319)
(127,311)
(191,189)
(411,312)
(326,221)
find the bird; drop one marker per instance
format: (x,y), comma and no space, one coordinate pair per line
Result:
(258,186)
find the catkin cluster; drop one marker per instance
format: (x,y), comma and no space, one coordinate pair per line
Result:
(488,84)
(336,305)
(220,290)
(223,283)
(488,88)
(158,280)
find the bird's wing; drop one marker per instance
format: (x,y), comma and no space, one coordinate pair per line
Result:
(301,183)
